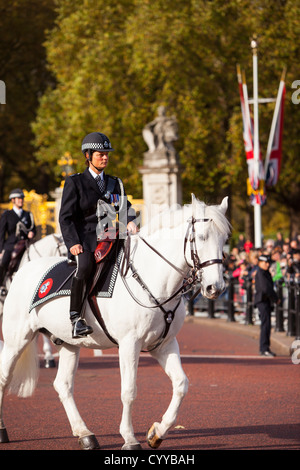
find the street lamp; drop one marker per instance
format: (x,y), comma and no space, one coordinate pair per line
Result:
(66,163)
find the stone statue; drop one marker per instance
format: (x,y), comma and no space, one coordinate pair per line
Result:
(160,133)
(161,170)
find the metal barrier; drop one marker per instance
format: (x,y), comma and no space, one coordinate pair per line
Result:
(238,300)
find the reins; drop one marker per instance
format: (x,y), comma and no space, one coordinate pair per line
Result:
(194,276)
(33,245)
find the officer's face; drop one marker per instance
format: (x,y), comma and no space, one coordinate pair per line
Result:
(264,265)
(18,202)
(100,160)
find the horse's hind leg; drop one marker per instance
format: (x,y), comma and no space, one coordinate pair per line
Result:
(24,381)
(48,356)
(6,368)
(64,385)
(169,358)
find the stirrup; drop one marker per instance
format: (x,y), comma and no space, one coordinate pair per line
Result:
(3,291)
(80,328)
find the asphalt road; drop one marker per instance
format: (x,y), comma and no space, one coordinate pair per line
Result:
(237,400)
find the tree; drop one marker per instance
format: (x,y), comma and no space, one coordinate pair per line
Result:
(116,62)
(23,69)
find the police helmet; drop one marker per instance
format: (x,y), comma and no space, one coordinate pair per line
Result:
(96,141)
(16,193)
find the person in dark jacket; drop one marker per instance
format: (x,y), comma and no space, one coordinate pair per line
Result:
(79,221)
(265,296)
(15,225)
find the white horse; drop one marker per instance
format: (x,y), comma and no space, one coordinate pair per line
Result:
(145,312)
(51,245)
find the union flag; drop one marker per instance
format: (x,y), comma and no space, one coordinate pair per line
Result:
(255,169)
(274,149)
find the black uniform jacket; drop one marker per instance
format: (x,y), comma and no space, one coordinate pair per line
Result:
(77,217)
(264,290)
(8,223)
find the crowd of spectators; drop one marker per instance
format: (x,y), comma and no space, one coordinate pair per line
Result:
(284,256)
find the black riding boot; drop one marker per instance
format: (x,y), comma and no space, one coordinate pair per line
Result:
(2,274)
(3,290)
(80,328)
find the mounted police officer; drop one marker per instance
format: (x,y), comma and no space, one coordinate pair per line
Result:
(15,225)
(79,222)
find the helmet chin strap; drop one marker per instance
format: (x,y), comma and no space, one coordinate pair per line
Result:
(98,169)
(90,159)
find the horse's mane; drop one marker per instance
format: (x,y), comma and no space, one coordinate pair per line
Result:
(219,219)
(176,215)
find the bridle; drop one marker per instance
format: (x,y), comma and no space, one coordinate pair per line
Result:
(196,267)
(195,274)
(190,236)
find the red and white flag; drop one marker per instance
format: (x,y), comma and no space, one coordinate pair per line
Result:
(274,149)
(255,169)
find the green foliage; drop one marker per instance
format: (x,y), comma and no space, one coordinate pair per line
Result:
(115,62)
(23,69)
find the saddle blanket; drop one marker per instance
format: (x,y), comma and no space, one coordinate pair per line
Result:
(56,281)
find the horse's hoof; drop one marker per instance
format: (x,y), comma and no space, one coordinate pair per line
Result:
(49,363)
(3,436)
(89,442)
(152,438)
(132,447)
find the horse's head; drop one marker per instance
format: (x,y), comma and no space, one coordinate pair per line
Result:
(210,230)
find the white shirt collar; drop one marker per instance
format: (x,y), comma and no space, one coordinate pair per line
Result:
(94,174)
(18,211)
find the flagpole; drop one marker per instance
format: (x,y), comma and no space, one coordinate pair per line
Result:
(274,121)
(257,207)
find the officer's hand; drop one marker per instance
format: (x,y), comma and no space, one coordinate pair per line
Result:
(132,228)
(76,249)
(30,234)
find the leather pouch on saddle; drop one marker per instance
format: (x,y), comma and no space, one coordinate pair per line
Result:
(106,240)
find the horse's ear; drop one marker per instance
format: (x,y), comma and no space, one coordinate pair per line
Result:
(224,205)
(194,200)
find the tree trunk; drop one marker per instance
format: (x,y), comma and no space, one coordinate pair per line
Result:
(294,222)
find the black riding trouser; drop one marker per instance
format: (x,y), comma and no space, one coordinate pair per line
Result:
(6,257)
(264,309)
(82,281)
(86,266)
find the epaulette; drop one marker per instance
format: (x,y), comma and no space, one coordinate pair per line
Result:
(113,177)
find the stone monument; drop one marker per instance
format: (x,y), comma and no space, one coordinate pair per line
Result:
(161,170)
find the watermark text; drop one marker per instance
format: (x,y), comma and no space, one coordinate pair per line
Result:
(295,97)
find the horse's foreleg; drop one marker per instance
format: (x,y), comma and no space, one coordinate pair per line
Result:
(169,358)
(128,358)
(64,385)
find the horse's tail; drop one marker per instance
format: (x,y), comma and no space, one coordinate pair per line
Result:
(26,371)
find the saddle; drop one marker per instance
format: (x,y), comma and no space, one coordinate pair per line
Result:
(56,281)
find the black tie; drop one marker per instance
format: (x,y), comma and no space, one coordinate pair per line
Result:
(101,184)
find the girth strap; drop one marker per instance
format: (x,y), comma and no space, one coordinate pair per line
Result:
(168,317)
